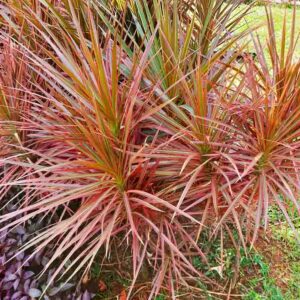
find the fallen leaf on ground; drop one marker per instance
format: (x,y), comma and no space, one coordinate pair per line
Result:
(102,286)
(123,295)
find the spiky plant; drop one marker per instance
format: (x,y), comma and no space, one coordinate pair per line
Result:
(147,131)
(272,125)
(90,164)
(15,103)
(183,31)
(238,151)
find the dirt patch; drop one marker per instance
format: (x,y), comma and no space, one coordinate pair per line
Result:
(276,254)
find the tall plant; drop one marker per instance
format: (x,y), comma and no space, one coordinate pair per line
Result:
(140,125)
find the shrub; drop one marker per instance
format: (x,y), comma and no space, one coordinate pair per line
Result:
(140,125)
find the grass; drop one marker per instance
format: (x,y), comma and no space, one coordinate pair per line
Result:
(263,273)
(248,272)
(283,235)
(257,16)
(269,271)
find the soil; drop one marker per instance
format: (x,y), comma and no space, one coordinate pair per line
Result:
(275,252)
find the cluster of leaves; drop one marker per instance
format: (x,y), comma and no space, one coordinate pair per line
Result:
(135,120)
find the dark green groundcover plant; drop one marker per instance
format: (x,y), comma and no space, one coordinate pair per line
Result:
(136,121)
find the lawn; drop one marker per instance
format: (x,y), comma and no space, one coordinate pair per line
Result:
(257,16)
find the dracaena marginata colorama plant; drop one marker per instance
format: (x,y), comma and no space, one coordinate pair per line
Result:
(138,125)
(16,89)
(239,151)
(86,121)
(272,88)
